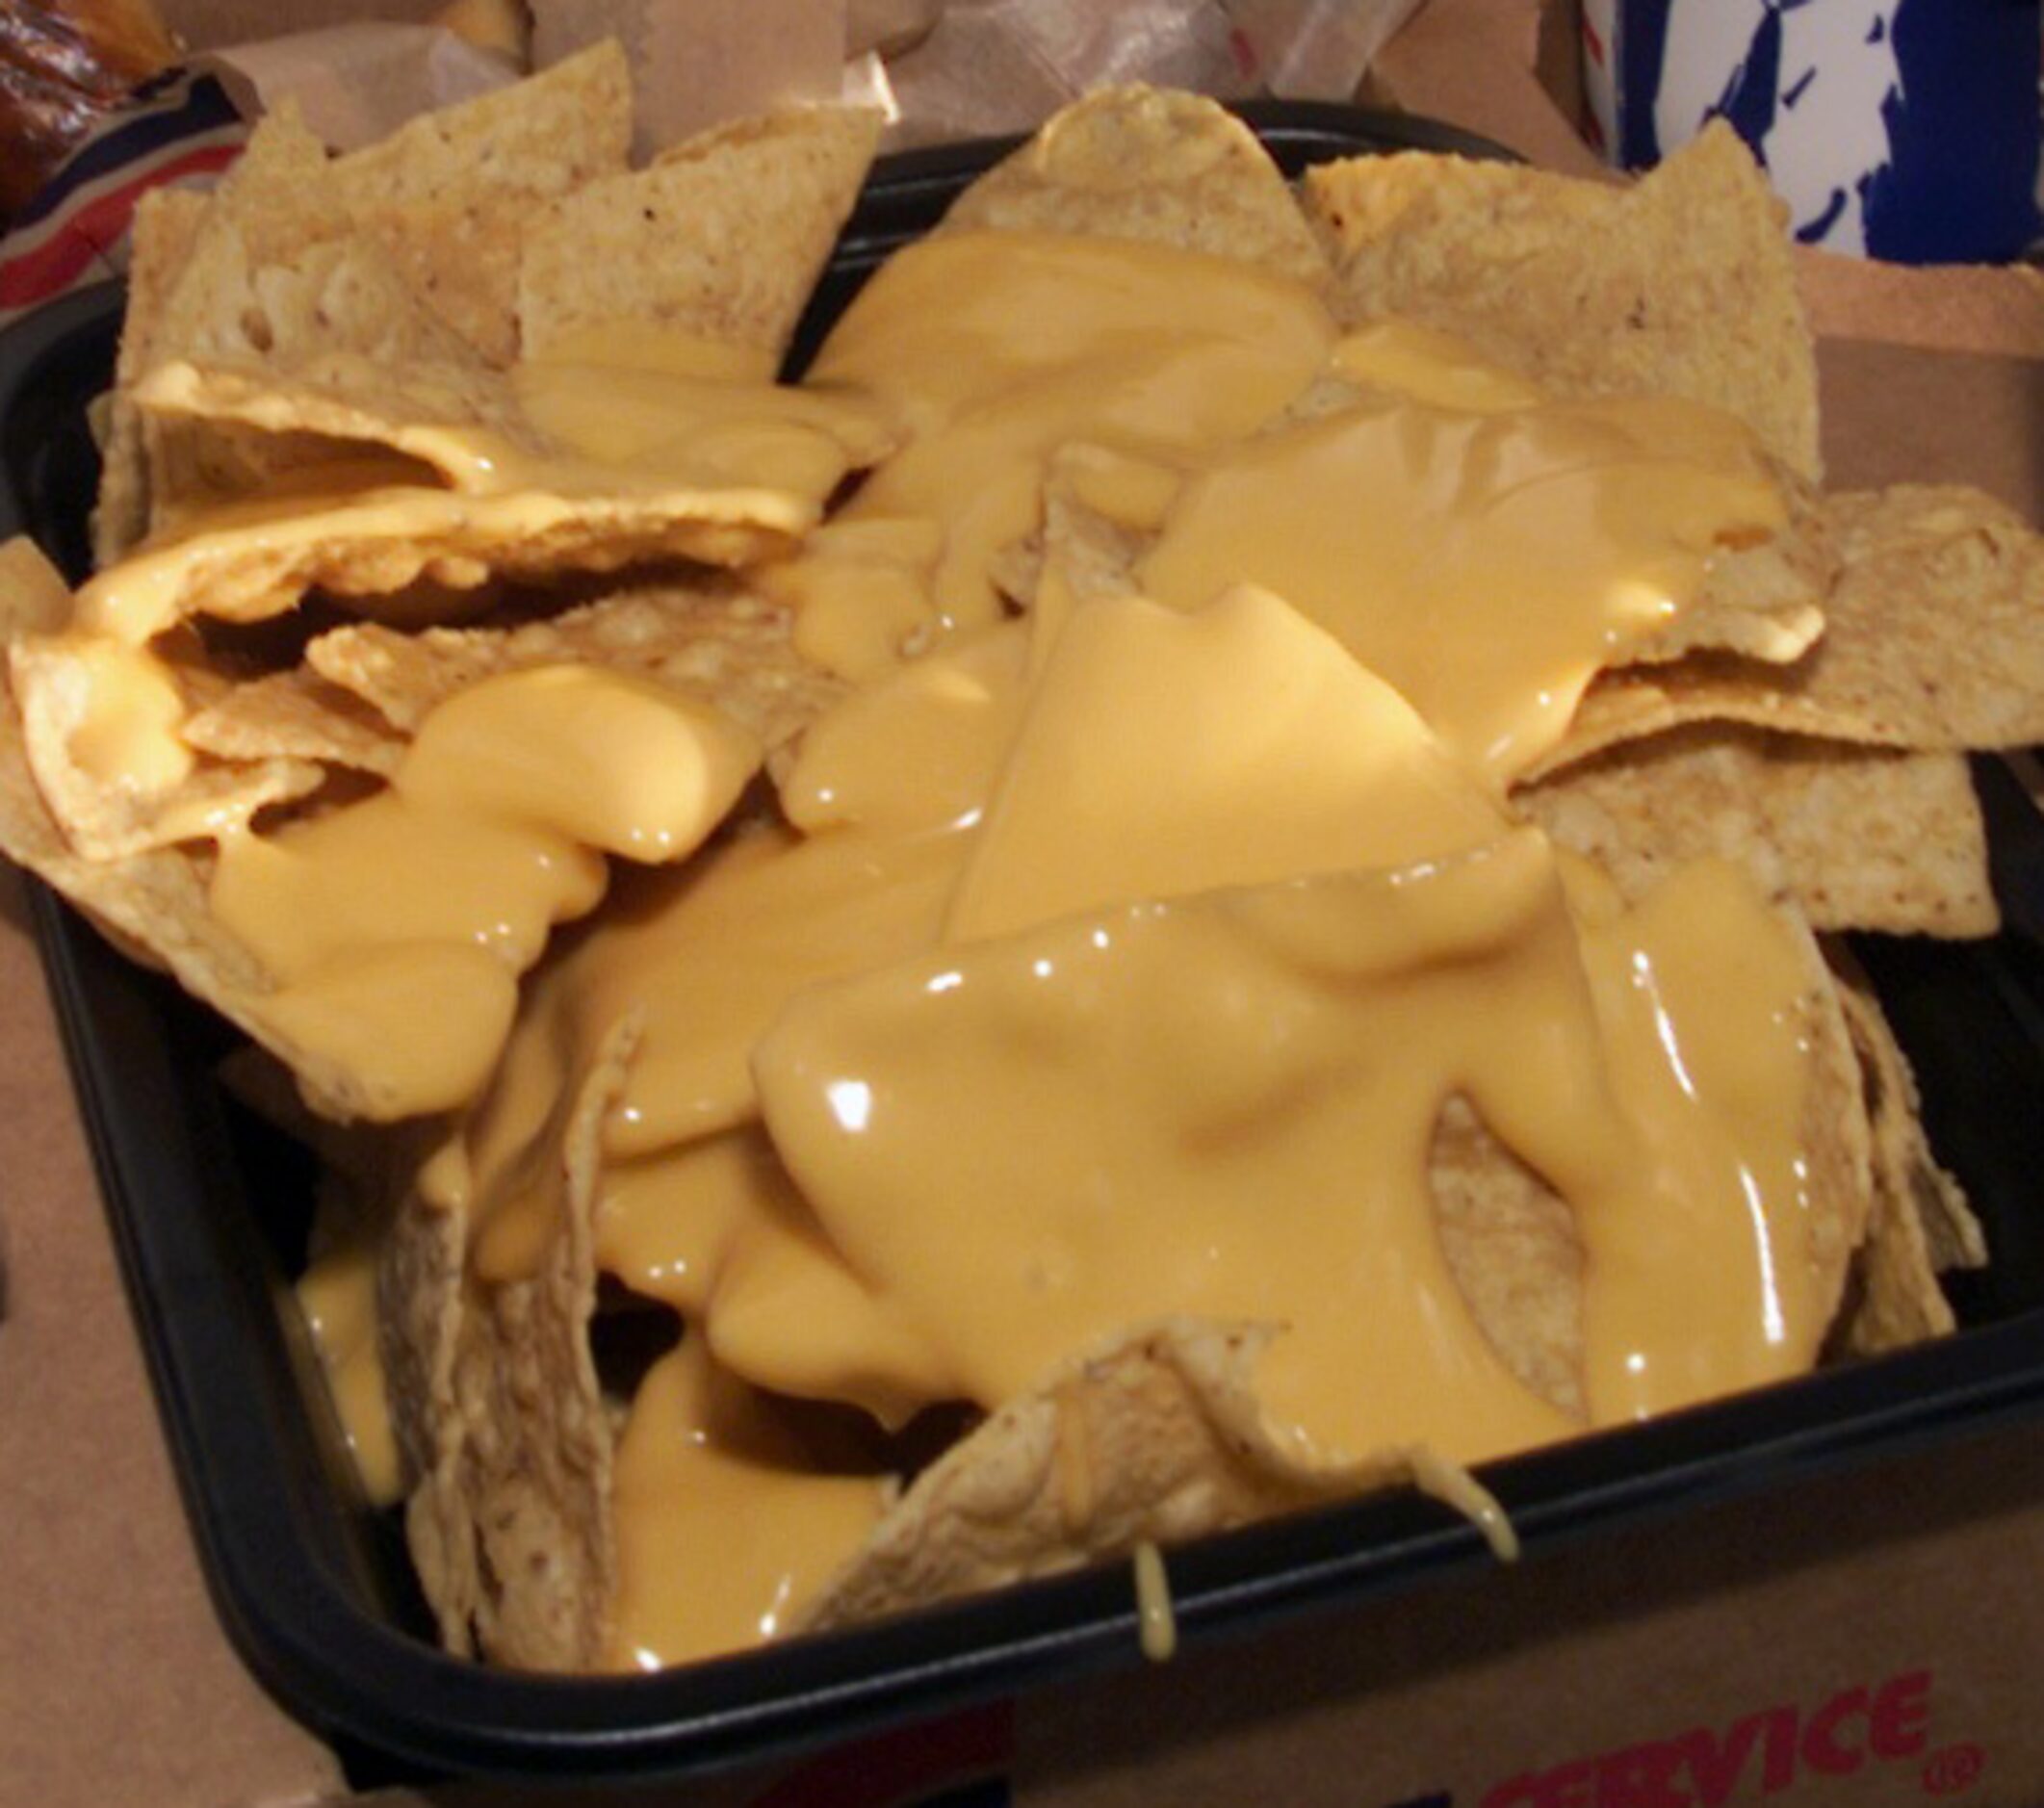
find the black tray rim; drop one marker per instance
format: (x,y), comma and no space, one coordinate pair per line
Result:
(290,1603)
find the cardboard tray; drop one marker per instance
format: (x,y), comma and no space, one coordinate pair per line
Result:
(210,1210)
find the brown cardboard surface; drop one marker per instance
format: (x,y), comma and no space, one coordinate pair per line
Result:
(1477,63)
(117,1683)
(1896,413)
(209,24)
(1486,1688)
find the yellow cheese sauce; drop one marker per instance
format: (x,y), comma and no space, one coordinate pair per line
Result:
(1119,960)
(338,1296)
(779,1520)
(1485,563)
(717,1230)
(1698,995)
(397,926)
(129,709)
(1275,1059)
(993,350)
(1111,962)
(1164,752)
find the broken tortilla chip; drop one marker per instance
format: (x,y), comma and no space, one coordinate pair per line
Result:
(501,1423)
(721,240)
(1920,1220)
(1511,1243)
(259,560)
(154,902)
(402,254)
(1933,639)
(1157,1438)
(719,644)
(300,715)
(71,693)
(268,278)
(1157,167)
(1953,1235)
(1680,284)
(1859,837)
(160,238)
(451,197)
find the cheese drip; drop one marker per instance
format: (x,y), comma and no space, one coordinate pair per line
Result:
(782,1520)
(396,927)
(338,1296)
(891,784)
(716,1228)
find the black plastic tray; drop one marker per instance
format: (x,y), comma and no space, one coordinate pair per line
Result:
(209,1211)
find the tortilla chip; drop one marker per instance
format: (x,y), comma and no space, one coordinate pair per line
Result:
(1511,1243)
(52,681)
(1919,1207)
(554,131)
(420,1313)
(450,196)
(503,1428)
(1157,1438)
(300,715)
(160,240)
(1077,553)
(1681,284)
(722,239)
(1895,1299)
(253,284)
(1765,602)
(717,645)
(1837,1134)
(272,281)
(152,903)
(1157,167)
(376,544)
(391,405)
(1858,838)
(1933,639)
(388,274)
(1937,636)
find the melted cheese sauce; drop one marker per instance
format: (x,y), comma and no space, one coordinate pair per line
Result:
(129,709)
(1275,1059)
(993,351)
(694,1436)
(338,1296)
(1114,962)
(1484,563)
(397,926)
(1120,961)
